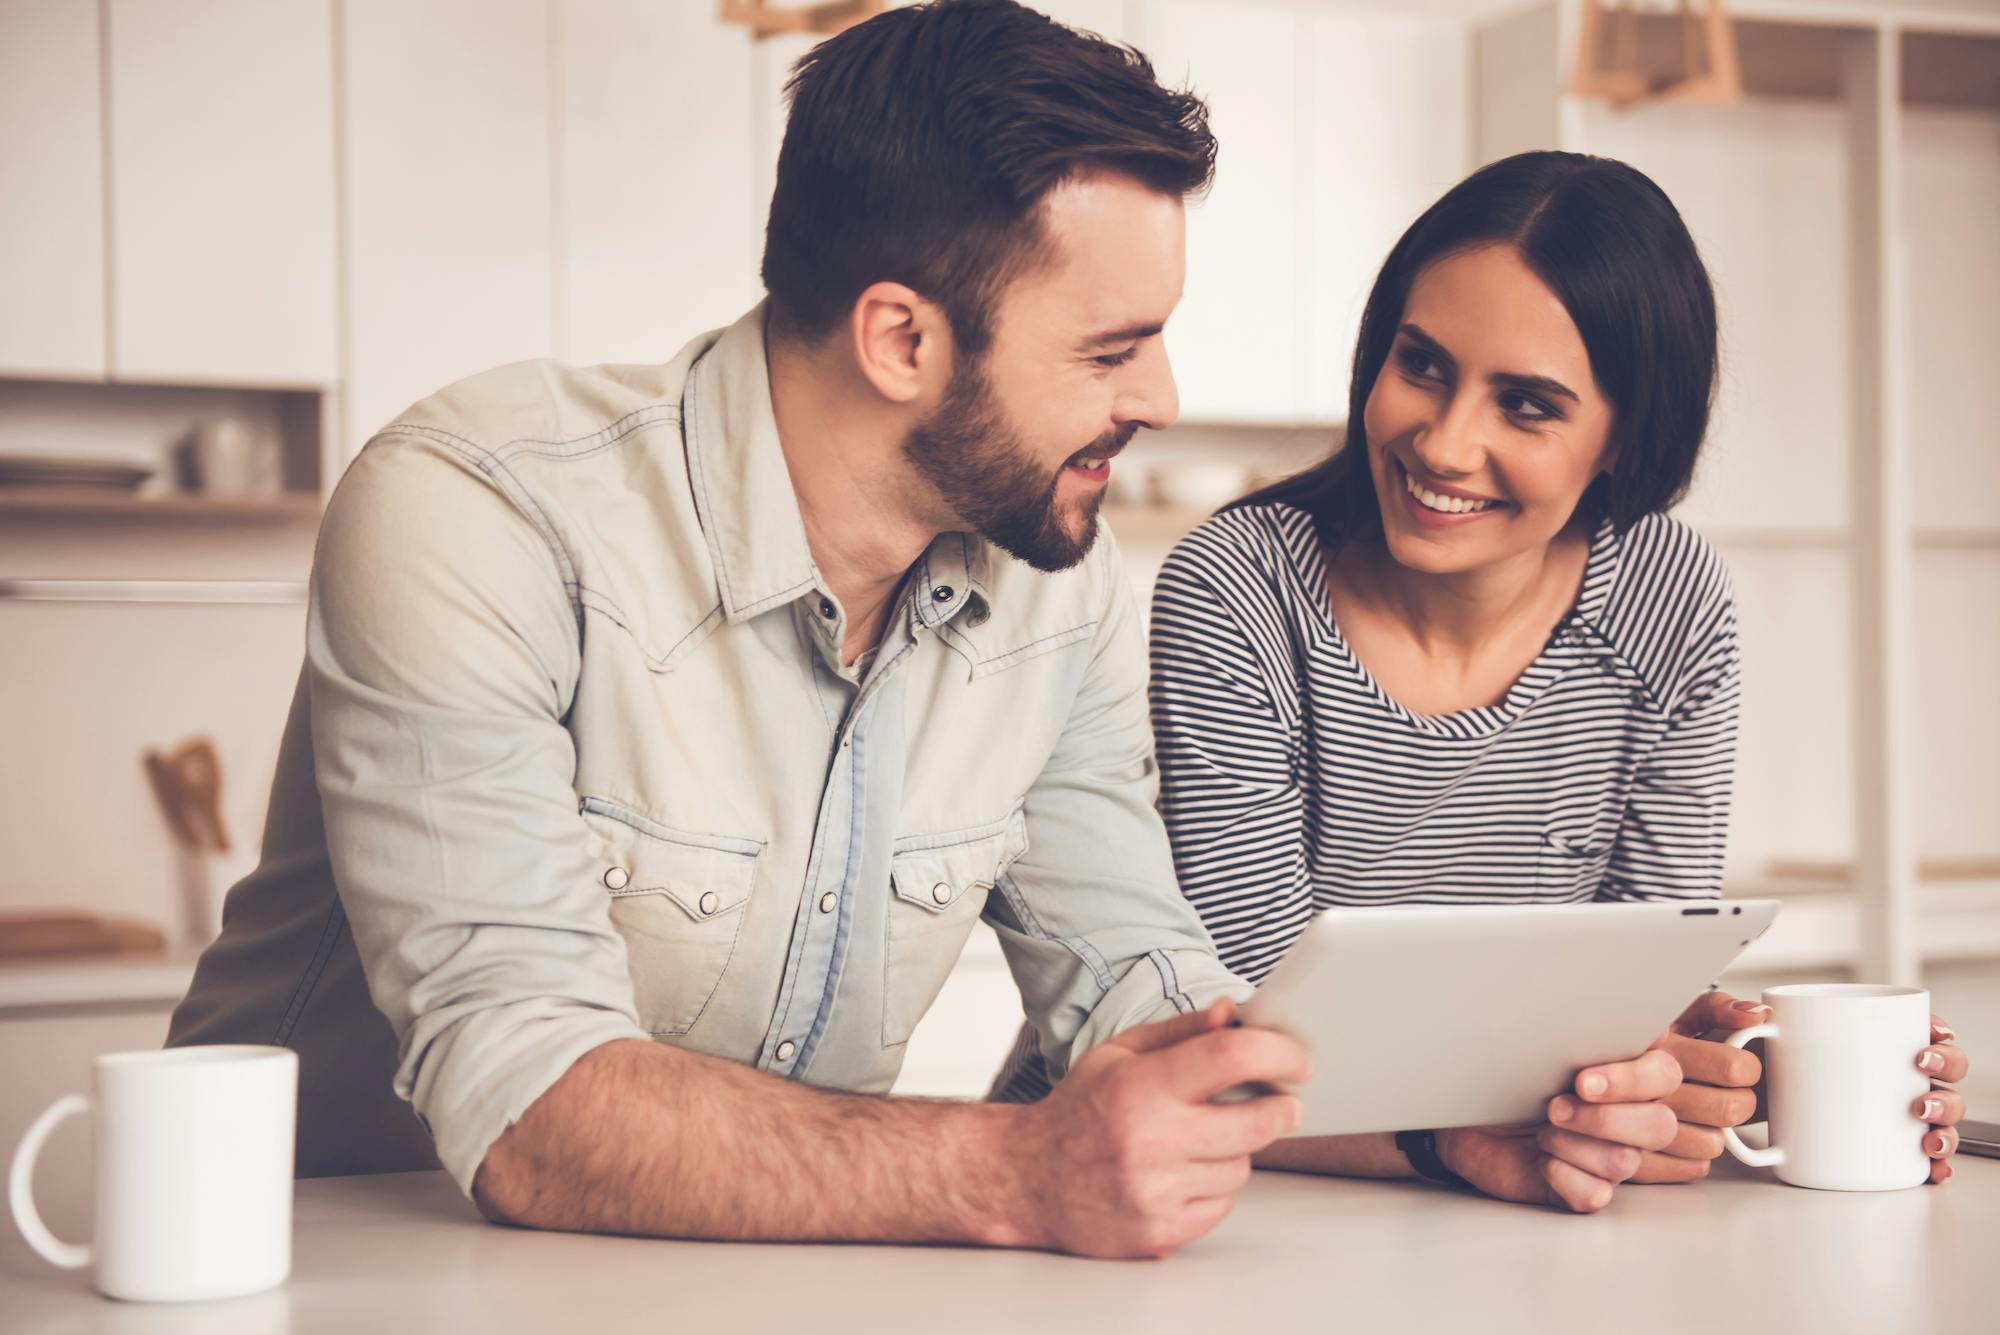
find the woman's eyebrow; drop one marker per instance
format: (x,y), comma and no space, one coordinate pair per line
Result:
(1539,384)
(1415,333)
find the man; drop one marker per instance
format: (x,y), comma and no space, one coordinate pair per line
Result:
(666,729)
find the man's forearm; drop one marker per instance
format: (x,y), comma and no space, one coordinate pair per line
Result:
(1371,1155)
(641,1138)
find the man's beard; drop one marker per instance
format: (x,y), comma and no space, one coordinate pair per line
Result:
(976,461)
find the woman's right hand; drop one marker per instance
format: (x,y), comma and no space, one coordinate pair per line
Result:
(1594,1138)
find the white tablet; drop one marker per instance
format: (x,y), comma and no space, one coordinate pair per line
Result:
(1424,1017)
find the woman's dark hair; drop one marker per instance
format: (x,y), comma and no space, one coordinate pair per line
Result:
(1611,246)
(921,142)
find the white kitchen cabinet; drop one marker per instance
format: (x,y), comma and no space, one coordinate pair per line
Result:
(1117,20)
(222,191)
(51,190)
(1385,134)
(661,228)
(1235,340)
(1334,131)
(449,206)
(770,66)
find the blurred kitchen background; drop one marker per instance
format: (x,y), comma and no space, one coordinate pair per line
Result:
(238,235)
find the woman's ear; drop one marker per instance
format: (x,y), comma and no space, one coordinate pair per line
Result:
(900,341)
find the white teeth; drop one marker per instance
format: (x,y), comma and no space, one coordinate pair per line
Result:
(1451,505)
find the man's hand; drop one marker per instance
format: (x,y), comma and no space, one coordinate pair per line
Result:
(1128,1156)
(1594,1138)
(1719,1086)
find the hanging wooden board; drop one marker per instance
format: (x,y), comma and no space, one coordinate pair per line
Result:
(1626,57)
(766,19)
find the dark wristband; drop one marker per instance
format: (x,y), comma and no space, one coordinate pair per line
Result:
(1420,1148)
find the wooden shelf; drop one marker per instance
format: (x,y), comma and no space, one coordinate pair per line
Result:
(90,503)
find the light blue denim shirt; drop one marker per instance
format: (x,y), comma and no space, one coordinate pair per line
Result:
(575,745)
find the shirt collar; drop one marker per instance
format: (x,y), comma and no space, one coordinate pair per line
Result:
(742,489)
(749,512)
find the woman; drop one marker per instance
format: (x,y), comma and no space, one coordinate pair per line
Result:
(1468,658)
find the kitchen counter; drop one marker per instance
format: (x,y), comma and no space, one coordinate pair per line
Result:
(1738,1252)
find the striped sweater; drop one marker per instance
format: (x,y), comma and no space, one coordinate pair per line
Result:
(1292,782)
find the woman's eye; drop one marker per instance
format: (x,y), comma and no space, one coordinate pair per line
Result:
(1113,360)
(1527,408)
(1419,363)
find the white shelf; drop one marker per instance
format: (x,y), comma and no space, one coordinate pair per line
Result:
(93,981)
(1959,921)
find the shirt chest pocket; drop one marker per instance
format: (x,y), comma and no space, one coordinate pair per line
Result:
(679,900)
(938,885)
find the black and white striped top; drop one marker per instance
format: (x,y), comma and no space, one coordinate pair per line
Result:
(1292,782)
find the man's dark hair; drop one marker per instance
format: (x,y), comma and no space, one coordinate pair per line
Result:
(1614,250)
(921,143)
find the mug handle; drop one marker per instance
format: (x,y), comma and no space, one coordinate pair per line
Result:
(1756,1158)
(21,1188)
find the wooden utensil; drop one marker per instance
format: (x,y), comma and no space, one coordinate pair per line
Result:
(188,783)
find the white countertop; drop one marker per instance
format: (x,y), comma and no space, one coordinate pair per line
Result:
(1736,1253)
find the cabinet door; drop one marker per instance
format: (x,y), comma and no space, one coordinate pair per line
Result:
(51,190)
(1235,341)
(222,191)
(660,232)
(1386,132)
(448,202)
(1114,20)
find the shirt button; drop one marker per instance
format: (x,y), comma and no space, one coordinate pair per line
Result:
(941,893)
(709,900)
(826,608)
(944,593)
(827,901)
(616,878)
(786,1049)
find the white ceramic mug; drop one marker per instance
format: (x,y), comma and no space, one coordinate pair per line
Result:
(1841,1079)
(194,1173)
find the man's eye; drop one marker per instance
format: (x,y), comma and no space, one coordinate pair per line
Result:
(1112,360)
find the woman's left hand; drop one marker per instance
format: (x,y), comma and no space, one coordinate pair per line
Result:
(1946,1065)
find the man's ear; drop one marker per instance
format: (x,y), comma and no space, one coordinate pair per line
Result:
(901,342)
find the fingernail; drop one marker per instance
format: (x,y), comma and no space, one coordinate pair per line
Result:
(1591,1084)
(1934,1145)
(1931,1061)
(1945,1032)
(1749,1007)
(1932,1107)
(1561,1110)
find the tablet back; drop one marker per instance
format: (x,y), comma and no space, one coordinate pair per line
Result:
(1436,1016)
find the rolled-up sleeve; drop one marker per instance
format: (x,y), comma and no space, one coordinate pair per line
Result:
(1091,919)
(442,658)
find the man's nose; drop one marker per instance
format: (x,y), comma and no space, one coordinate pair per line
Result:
(1148,395)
